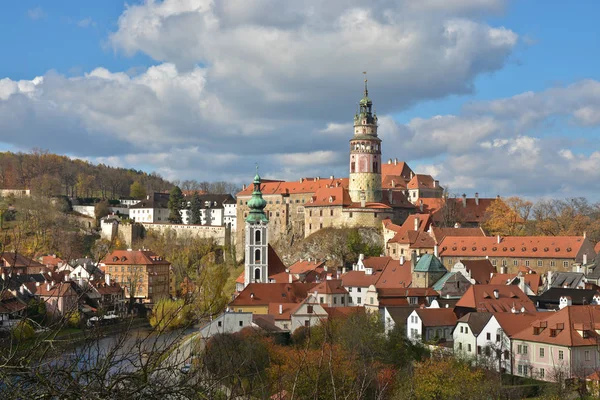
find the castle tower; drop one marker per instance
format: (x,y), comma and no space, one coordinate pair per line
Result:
(257,238)
(365,154)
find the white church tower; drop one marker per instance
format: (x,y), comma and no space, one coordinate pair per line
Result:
(257,238)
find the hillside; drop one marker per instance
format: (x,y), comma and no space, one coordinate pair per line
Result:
(51,174)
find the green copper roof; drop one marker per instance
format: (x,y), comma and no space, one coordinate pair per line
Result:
(365,101)
(439,285)
(429,263)
(257,204)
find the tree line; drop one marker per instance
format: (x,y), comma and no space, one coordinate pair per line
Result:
(50,174)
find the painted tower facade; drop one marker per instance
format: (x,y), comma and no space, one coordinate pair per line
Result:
(257,238)
(365,154)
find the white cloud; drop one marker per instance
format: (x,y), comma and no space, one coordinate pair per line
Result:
(86,22)
(36,13)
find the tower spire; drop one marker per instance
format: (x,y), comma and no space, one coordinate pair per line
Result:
(366,89)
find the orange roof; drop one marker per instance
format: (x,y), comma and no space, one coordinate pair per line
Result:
(481,270)
(388,224)
(512,323)
(407,234)
(330,196)
(512,246)
(131,257)
(393,182)
(563,327)
(303,266)
(287,309)
(482,298)
(304,185)
(261,294)
(276,269)
(58,290)
(416,239)
(395,275)
(359,278)
(331,286)
(399,169)
(14,259)
(51,260)
(420,181)
(534,281)
(437,316)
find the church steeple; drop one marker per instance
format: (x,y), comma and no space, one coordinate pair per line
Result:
(257,204)
(257,237)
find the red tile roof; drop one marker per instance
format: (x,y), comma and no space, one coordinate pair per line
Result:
(13,259)
(399,169)
(421,181)
(305,185)
(534,281)
(134,257)
(482,298)
(512,246)
(333,286)
(561,327)
(377,263)
(51,260)
(416,239)
(481,270)
(304,266)
(58,290)
(437,316)
(330,196)
(440,233)
(261,294)
(395,275)
(388,224)
(393,182)
(287,310)
(359,278)
(512,323)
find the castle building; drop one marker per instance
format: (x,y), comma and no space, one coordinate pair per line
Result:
(372,193)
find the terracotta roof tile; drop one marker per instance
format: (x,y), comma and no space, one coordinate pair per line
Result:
(421,181)
(481,270)
(534,281)
(304,266)
(399,169)
(138,257)
(332,286)
(482,298)
(305,185)
(261,294)
(512,246)
(395,275)
(437,316)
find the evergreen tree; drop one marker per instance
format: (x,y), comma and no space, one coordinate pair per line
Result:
(196,209)
(175,205)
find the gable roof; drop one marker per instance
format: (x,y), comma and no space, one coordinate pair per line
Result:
(304,266)
(330,196)
(512,323)
(476,321)
(566,247)
(440,233)
(396,168)
(14,259)
(330,286)
(395,275)
(482,298)
(134,257)
(261,294)
(422,181)
(429,263)
(534,281)
(567,279)
(563,327)
(481,270)
(436,316)
(359,278)
(304,185)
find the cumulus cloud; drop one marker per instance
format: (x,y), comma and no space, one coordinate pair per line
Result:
(36,13)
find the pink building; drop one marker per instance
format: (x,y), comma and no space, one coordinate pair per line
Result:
(560,346)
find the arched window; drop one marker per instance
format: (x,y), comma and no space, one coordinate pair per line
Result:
(257,275)
(257,255)
(257,236)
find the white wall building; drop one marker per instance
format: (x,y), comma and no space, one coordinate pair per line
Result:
(227,322)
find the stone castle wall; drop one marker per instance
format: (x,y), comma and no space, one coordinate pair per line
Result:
(221,234)
(368,182)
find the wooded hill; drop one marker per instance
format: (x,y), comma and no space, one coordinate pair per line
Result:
(51,174)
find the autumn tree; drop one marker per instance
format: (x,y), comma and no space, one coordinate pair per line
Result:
(175,205)
(508,217)
(101,209)
(170,314)
(573,216)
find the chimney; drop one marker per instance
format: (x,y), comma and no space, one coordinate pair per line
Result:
(331,177)
(435,250)
(390,161)
(416,223)
(498,239)
(66,277)
(412,174)
(47,287)
(464,200)
(251,295)
(290,278)
(476,199)
(107,279)
(280,309)
(393,183)
(395,161)
(402,259)
(584,258)
(390,196)
(244,187)
(584,234)
(496,293)
(436,183)
(421,205)
(343,270)
(503,270)
(565,301)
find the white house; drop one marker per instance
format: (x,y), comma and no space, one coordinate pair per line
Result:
(309,313)
(431,324)
(467,330)
(227,322)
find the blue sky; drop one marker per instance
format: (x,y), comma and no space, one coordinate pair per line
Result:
(238,82)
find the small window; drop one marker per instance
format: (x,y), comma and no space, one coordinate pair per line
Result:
(560,354)
(307,323)
(497,338)
(358,300)
(542,373)
(566,264)
(358,289)
(527,263)
(331,213)
(542,352)
(466,330)
(220,324)
(587,355)
(540,263)
(488,336)
(241,323)
(321,300)
(309,309)
(553,263)
(469,347)
(524,349)
(515,262)
(461,330)
(459,346)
